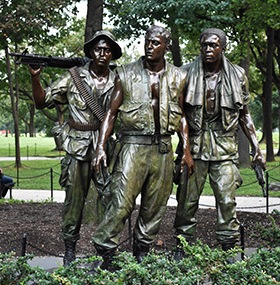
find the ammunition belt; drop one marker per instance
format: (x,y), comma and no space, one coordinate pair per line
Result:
(84,127)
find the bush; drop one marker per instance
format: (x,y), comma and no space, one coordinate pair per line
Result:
(271,235)
(201,264)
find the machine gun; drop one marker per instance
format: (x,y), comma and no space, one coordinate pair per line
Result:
(51,61)
(259,173)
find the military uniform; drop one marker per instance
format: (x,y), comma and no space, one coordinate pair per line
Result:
(145,162)
(80,135)
(213,142)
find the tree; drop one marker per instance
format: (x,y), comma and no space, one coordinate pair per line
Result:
(94,18)
(28,20)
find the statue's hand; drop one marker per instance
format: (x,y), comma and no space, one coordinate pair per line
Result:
(99,156)
(259,158)
(35,70)
(187,160)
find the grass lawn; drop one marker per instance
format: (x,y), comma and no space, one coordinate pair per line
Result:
(37,146)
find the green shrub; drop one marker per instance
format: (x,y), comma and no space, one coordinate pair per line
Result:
(201,264)
(271,235)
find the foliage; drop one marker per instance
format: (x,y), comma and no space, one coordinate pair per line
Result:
(256,111)
(272,235)
(200,264)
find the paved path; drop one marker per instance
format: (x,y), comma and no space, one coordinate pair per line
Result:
(249,204)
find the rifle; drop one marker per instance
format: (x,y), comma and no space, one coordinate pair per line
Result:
(51,61)
(259,173)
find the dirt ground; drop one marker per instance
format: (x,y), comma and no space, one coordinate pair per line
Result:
(41,224)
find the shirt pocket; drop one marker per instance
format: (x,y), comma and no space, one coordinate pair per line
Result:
(131,116)
(78,101)
(175,115)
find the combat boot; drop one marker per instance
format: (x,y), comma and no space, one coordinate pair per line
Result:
(140,250)
(179,253)
(226,247)
(70,254)
(107,258)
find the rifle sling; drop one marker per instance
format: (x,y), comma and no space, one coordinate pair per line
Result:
(91,102)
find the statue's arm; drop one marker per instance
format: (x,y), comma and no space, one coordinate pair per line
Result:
(37,90)
(184,137)
(247,125)
(108,125)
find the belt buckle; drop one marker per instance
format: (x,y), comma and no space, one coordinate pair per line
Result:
(155,139)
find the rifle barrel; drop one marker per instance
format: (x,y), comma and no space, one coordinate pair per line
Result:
(51,61)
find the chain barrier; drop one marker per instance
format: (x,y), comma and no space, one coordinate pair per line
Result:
(23,244)
(40,167)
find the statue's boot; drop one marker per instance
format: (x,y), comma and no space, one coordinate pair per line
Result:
(179,253)
(107,258)
(227,247)
(140,250)
(70,254)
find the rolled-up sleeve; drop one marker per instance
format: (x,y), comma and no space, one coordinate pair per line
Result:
(57,91)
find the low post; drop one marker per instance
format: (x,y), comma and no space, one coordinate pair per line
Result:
(129,230)
(23,245)
(17,173)
(267,211)
(242,240)
(51,183)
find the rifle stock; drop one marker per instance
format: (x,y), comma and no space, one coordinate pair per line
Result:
(259,173)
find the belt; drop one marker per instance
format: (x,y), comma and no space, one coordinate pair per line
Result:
(214,126)
(144,139)
(84,127)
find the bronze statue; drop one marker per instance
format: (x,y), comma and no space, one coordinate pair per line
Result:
(149,106)
(216,100)
(80,133)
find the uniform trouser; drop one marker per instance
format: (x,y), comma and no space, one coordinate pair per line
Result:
(139,169)
(224,179)
(75,177)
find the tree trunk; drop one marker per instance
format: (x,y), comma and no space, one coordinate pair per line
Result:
(268,95)
(175,48)
(31,122)
(263,139)
(14,109)
(94,18)
(278,153)
(243,143)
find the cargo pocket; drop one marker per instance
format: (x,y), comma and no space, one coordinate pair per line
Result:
(65,163)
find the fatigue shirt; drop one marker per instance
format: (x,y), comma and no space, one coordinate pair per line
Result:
(79,144)
(136,113)
(214,138)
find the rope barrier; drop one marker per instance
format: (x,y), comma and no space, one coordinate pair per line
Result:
(40,175)
(41,167)
(41,250)
(16,246)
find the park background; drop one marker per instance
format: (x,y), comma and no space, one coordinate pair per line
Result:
(60,28)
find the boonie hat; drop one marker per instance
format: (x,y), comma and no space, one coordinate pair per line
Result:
(116,49)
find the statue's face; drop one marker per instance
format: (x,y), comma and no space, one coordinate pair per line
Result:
(211,49)
(101,53)
(155,47)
